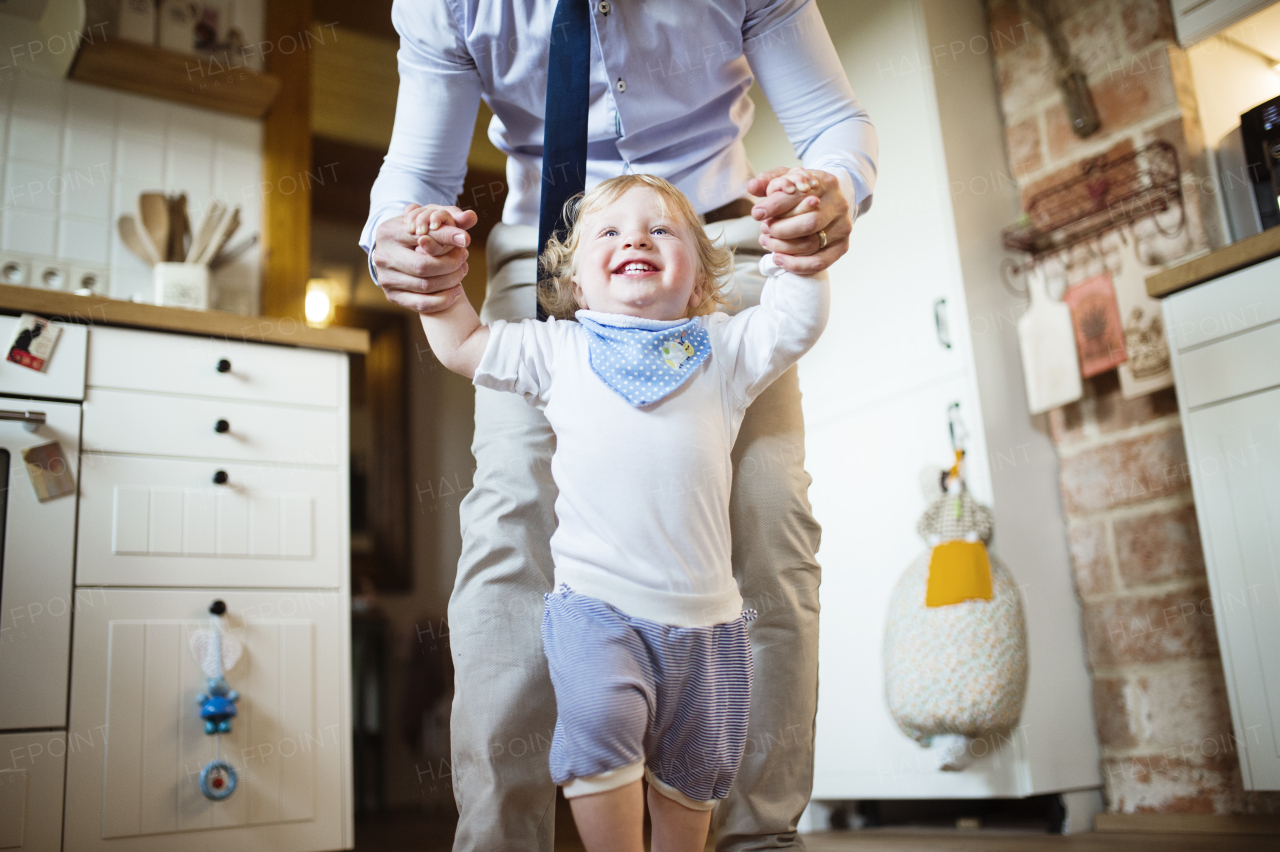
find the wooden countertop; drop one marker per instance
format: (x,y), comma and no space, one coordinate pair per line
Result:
(1247,252)
(99,310)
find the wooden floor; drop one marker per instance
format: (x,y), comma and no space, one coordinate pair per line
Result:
(897,840)
(416,832)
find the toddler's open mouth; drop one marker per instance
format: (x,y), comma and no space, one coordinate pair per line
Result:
(636,268)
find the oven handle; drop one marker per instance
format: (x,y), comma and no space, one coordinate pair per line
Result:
(30,420)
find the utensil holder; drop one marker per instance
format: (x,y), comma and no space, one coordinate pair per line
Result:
(182,285)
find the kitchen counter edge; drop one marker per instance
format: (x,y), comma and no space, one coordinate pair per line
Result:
(1206,267)
(99,310)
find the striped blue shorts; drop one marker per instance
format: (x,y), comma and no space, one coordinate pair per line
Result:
(639,698)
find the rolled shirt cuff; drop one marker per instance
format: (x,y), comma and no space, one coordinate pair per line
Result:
(605,781)
(675,795)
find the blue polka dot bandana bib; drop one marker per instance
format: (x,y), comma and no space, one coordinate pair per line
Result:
(642,359)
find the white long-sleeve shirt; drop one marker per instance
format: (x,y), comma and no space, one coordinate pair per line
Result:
(643,505)
(668,96)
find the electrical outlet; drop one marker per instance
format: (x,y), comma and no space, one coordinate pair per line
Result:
(15,270)
(52,276)
(89,278)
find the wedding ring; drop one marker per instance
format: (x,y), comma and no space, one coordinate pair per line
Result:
(822,235)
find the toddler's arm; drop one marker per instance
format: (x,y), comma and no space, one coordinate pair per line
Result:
(456,335)
(760,343)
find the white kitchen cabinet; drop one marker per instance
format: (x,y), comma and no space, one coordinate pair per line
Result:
(195,475)
(206,468)
(32,766)
(1225,346)
(1196,20)
(212,469)
(877,389)
(135,676)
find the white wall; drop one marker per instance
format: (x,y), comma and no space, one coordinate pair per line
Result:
(1232,73)
(1228,81)
(73,157)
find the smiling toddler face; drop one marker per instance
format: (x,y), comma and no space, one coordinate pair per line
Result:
(637,259)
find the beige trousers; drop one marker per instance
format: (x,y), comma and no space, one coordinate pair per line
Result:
(504,708)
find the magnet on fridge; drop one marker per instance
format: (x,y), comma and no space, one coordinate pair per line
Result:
(32,343)
(50,474)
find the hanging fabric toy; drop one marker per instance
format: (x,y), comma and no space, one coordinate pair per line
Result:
(955,646)
(217,652)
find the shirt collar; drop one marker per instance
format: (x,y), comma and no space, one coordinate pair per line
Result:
(627,321)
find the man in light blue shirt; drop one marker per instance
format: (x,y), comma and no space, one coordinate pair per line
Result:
(668,96)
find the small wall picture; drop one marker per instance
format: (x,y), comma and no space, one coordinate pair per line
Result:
(196,27)
(137,21)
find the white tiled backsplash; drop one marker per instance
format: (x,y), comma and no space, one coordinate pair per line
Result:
(73,157)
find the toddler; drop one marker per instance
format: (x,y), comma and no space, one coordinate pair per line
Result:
(644,634)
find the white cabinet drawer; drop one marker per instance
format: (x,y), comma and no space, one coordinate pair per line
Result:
(32,767)
(174,363)
(63,376)
(1230,368)
(164,522)
(132,668)
(1239,301)
(164,425)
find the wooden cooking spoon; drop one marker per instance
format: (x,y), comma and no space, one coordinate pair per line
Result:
(136,240)
(153,212)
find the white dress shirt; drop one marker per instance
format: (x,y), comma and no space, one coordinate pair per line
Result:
(642,513)
(668,96)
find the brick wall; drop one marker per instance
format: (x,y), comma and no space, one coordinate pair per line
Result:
(1159,693)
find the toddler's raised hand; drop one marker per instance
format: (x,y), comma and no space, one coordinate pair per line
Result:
(438,229)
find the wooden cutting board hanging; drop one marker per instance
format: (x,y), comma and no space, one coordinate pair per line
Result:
(1048,343)
(1148,368)
(1099,336)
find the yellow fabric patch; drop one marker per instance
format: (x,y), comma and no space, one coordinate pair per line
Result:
(958,571)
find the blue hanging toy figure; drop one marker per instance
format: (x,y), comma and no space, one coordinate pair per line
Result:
(217,652)
(218,706)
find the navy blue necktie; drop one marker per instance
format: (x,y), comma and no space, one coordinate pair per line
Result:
(564,139)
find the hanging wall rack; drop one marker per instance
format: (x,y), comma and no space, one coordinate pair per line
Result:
(1109,193)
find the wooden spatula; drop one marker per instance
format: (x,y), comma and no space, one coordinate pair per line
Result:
(153,213)
(179,227)
(213,216)
(136,240)
(224,232)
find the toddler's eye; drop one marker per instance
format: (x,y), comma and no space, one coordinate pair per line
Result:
(610,232)
(661,231)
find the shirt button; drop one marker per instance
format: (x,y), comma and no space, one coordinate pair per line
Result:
(622,85)
(603,7)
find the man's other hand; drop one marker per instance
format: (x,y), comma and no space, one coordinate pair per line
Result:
(797,204)
(421,257)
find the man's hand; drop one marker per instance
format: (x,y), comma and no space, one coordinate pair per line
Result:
(421,257)
(798,204)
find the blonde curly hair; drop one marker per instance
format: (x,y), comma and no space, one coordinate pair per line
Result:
(560,262)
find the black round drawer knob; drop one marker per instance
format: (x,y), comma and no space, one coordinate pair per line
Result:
(220,478)
(224,366)
(217,607)
(222,426)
